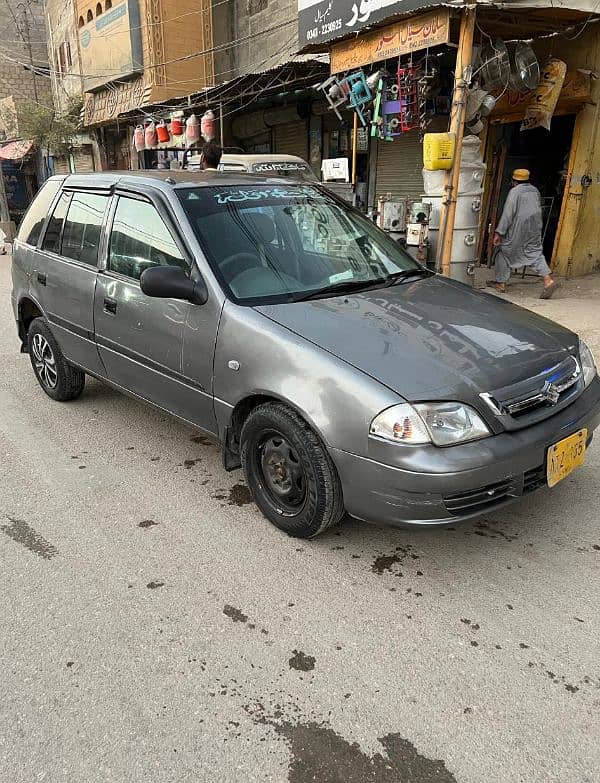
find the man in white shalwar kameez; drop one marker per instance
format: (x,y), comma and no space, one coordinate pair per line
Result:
(518,235)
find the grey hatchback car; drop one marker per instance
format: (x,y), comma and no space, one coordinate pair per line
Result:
(339,373)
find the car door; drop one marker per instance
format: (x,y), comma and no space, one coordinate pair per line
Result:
(64,274)
(140,338)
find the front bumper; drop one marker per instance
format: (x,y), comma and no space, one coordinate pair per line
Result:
(436,486)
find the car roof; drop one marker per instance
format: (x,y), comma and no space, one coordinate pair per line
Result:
(233,157)
(166,179)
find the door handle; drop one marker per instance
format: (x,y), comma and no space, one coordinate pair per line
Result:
(41,278)
(110,305)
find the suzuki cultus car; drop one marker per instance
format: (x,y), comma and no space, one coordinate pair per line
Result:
(339,373)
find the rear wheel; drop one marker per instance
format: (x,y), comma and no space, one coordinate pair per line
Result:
(289,472)
(59,379)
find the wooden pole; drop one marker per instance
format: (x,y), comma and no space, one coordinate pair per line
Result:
(464,59)
(354,146)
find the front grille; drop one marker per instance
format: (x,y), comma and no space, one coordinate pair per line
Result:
(481,499)
(534,479)
(536,398)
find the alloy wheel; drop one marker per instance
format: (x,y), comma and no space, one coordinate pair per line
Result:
(44,361)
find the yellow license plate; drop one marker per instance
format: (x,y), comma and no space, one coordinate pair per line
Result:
(565,456)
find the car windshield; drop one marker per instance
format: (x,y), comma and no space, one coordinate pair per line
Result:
(270,243)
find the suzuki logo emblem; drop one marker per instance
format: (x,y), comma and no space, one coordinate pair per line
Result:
(551,393)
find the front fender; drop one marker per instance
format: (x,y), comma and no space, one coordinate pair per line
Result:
(336,399)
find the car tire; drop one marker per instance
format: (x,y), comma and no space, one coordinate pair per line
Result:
(289,472)
(59,379)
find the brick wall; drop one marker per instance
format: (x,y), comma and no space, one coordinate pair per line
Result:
(23,41)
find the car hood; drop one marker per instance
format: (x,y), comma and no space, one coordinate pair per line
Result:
(430,339)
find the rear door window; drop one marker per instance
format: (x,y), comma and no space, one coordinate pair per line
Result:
(32,223)
(83,226)
(53,233)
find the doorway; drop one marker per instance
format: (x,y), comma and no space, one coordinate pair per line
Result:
(546,155)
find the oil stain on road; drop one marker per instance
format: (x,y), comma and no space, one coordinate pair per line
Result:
(23,534)
(317,752)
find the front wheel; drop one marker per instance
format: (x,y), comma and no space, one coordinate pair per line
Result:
(289,472)
(59,379)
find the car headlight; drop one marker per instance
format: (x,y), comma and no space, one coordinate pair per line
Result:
(588,365)
(441,423)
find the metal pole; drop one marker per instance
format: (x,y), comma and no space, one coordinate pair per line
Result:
(354,146)
(221,123)
(464,59)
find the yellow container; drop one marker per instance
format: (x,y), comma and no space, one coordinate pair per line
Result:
(438,151)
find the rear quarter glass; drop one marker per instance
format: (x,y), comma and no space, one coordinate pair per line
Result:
(31,225)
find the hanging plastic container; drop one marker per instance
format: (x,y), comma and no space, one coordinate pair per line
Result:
(151,138)
(208,126)
(177,125)
(162,132)
(192,129)
(139,140)
(438,151)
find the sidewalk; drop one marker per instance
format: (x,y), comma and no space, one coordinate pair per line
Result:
(575,305)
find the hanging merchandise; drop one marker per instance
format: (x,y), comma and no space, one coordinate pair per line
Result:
(479,104)
(429,87)
(139,141)
(524,68)
(540,109)
(150,136)
(162,132)
(495,65)
(177,124)
(359,93)
(408,94)
(192,130)
(334,93)
(208,126)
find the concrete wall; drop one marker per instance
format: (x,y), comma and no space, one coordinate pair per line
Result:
(61,26)
(270,49)
(24,40)
(578,249)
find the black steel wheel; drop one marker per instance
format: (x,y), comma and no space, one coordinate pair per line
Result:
(289,471)
(59,379)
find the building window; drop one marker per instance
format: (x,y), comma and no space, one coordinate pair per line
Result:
(80,23)
(255,6)
(90,15)
(99,9)
(108,4)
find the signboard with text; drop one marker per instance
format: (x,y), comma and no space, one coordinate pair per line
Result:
(320,21)
(403,37)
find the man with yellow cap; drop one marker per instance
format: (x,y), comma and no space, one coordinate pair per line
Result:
(518,235)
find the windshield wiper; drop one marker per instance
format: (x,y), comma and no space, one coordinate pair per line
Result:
(405,274)
(343,287)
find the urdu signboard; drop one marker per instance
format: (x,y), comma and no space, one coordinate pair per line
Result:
(110,45)
(320,21)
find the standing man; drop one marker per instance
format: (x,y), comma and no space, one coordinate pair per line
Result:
(211,156)
(518,235)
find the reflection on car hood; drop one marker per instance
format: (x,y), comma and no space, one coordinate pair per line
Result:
(430,339)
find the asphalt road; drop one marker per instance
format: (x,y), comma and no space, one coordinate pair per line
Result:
(154,627)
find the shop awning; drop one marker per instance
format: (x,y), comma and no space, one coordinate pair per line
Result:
(15,150)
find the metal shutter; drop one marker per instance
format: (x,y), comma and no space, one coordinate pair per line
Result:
(292,139)
(61,165)
(400,163)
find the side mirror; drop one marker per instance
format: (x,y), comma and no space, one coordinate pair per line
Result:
(171,282)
